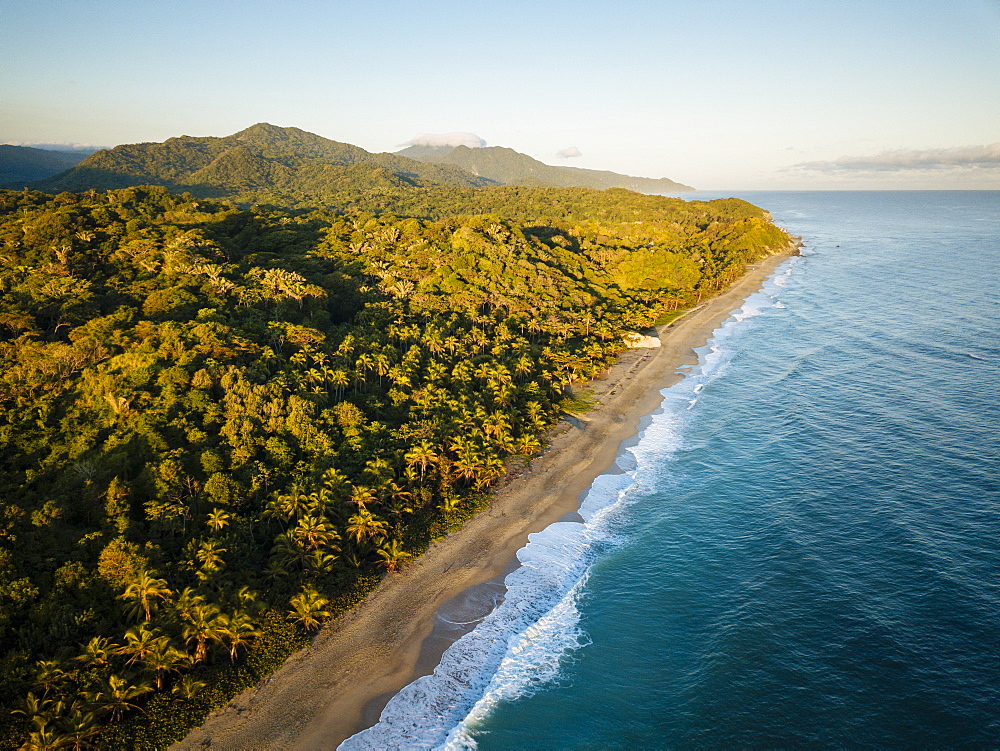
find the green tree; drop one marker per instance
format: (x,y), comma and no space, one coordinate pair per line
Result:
(203,624)
(308,609)
(144,591)
(116,696)
(393,556)
(365,526)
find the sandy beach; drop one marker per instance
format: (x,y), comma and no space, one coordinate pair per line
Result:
(336,687)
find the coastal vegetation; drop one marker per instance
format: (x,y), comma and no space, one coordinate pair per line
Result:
(221,423)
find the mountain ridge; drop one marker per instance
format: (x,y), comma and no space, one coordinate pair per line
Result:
(261,157)
(266,159)
(20,165)
(510,167)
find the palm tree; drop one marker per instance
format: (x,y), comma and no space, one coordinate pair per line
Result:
(467,458)
(189,599)
(496,425)
(288,506)
(338,379)
(98,652)
(526,445)
(422,455)
(209,554)
(523,366)
(365,526)
(46,738)
(144,591)
(314,532)
(379,470)
(49,675)
(249,599)
(382,365)
(332,494)
(321,561)
(449,503)
(316,377)
(204,624)
(364,363)
(116,696)
(218,519)
(238,631)
(506,395)
(78,727)
(38,709)
(501,375)
(308,609)
(433,340)
(140,642)
(287,551)
(346,346)
(401,499)
(401,377)
(435,372)
(164,658)
(393,556)
(187,687)
(362,496)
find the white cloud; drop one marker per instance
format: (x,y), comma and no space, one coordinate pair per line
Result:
(446,139)
(569,151)
(967,157)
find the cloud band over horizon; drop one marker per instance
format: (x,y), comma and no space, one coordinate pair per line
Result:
(959,157)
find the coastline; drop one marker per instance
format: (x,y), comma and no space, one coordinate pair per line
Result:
(336,686)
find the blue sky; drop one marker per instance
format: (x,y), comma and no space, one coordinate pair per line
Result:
(720,94)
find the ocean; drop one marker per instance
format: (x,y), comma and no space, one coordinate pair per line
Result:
(802,545)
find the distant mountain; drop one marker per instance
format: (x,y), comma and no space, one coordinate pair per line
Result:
(262,158)
(266,160)
(20,165)
(426,153)
(510,167)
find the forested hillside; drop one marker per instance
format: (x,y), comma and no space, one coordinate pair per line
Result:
(20,165)
(263,157)
(509,167)
(221,425)
(273,164)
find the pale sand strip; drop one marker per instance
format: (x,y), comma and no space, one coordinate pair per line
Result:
(317,698)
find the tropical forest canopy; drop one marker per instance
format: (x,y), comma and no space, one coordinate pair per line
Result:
(221,423)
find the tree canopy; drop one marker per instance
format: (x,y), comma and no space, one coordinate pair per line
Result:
(219,425)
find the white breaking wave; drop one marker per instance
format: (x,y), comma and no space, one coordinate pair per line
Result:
(515,649)
(520,647)
(532,663)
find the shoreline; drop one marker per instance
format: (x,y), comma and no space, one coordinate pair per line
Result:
(338,685)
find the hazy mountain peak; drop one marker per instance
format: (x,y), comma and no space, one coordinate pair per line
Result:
(505,165)
(20,165)
(446,139)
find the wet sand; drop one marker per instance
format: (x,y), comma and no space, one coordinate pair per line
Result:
(338,685)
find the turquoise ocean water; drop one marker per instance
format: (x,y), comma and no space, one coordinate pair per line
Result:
(802,546)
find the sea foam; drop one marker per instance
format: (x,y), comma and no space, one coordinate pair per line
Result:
(520,646)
